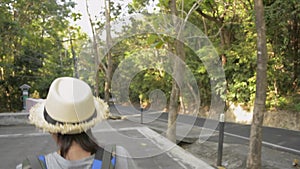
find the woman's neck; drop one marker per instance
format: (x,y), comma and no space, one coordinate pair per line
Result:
(76,152)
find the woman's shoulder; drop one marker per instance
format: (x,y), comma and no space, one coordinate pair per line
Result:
(124,159)
(121,150)
(54,160)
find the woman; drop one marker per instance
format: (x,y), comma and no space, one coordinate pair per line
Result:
(68,114)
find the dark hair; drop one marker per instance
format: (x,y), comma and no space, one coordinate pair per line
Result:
(83,139)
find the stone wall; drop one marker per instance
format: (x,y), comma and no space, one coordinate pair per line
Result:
(31,102)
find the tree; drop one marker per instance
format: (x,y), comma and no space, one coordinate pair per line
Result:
(108,70)
(31,35)
(102,47)
(177,76)
(283,34)
(254,156)
(95,52)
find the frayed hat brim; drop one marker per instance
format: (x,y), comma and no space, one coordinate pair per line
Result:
(36,118)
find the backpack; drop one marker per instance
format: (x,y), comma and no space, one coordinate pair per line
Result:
(108,160)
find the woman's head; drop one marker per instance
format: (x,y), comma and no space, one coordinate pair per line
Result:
(69,108)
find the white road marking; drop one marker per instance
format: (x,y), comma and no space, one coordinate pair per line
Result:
(137,128)
(265,143)
(23,135)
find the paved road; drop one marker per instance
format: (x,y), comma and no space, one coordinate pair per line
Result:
(149,149)
(20,141)
(281,139)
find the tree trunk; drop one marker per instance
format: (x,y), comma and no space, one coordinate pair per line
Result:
(172,116)
(177,72)
(255,145)
(108,73)
(75,64)
(96,53)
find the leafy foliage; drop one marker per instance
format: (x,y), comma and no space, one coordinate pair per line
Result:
(35,49)
(31,41)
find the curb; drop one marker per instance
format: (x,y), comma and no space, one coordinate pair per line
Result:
(19,118)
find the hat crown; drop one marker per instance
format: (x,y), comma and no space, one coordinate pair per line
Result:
(69,100)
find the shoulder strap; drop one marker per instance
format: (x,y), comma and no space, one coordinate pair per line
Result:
(43,160)
(97,163)
(33,162)
(108,159)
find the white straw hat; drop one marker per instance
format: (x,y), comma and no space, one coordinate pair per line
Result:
(69,108)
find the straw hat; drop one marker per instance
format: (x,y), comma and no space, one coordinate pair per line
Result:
(69,108)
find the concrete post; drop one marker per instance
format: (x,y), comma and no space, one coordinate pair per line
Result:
(221,139)
(25,94)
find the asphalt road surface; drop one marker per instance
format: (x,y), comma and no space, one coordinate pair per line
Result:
(282,139)
(18,142)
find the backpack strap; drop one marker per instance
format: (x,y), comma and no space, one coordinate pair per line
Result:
(97,163)
(43,160)
(34,162)
(109,159)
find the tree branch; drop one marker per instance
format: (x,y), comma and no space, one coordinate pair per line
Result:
(211,18)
